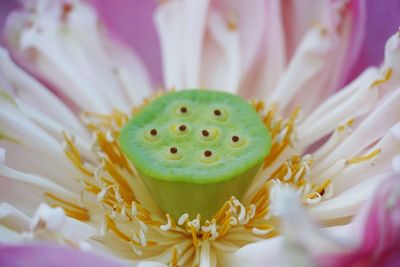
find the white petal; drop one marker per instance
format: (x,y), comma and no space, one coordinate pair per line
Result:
(181,27)
(26,139)
(370,130)
(46,184)
(299,17)
(354,100)
(130,71)
(13,218)
(396,163)
(275,55)
(8,236)
(221,65)
(53,218)
(382,163)
(77,231)
(168,19)
(347,203)
(392,61)
(71,53)
(30,92)
(310,58)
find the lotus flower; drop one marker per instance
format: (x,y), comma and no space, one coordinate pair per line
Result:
(328,191)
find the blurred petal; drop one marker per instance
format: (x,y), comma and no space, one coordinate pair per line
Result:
(49,256)
(47,223)
(209,44)
(380,228)
(29,92)
(378,31)
(291,249)
(371,239)
(5,8)
(65,44)
(132,22)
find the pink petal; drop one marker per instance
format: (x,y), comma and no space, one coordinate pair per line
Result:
(49,256)
(132,22)
(380,224)
(5,8)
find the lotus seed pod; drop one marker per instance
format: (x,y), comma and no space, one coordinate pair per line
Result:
(194,149)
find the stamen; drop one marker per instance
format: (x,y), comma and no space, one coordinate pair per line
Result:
(183,219)
(168,226)
(387,76)
(263,230)
(70,209)
(313,198)
(174,258)
(111,226)
(365,157)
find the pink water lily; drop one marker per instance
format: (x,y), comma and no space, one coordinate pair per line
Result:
(327,195)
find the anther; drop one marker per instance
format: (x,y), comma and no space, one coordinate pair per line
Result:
(182,127)
(205,133)
(235,138)
(217,112)
(183,109)
(153,132)
(173,150)
(207,153)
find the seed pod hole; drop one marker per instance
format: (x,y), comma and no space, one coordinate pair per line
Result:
(237,141)
(183,110)
(173,153)
(182,127)
(151,135)
(219,114)
(179,128)
(209,134)
(209,157)
(207,153)
(153,132)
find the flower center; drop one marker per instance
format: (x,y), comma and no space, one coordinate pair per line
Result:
(195,149)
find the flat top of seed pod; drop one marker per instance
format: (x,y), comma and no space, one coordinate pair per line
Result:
(195,136)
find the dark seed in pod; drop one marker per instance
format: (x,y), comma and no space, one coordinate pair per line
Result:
(217,112)
(183,109)
(235,138)
(153,132)
(182,127)
(207,153)
(173,150)
(205,133)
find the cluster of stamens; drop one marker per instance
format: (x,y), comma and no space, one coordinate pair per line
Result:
(120,205)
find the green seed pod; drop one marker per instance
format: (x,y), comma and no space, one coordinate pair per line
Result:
(194,149)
